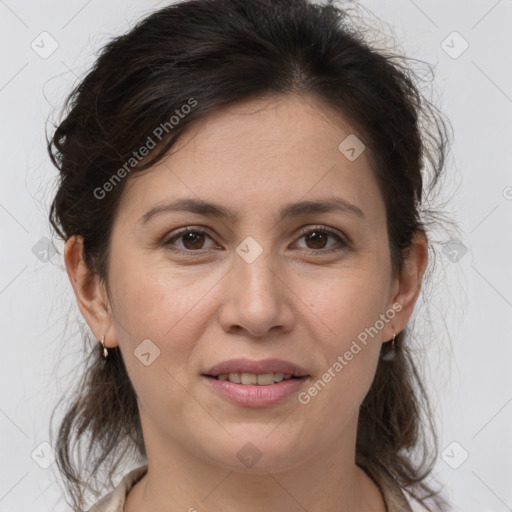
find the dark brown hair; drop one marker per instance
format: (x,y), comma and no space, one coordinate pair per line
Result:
(207,54)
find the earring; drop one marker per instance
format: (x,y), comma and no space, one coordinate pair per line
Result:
(105,351)
(390,353)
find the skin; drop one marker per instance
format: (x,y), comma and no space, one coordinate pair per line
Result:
(294,302)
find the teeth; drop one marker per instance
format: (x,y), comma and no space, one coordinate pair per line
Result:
(234,377)
(262,379)
(248,378)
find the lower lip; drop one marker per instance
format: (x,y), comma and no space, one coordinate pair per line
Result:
(249,395)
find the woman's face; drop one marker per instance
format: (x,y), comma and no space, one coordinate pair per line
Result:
(306,288)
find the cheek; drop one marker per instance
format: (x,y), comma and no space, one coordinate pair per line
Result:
(345,312)
(345,303)
(156,301)
(344,379)
(161,313)
(159,317)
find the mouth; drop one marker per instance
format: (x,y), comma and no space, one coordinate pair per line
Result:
(251,383)
(254,379)
(256,372)
(274,388)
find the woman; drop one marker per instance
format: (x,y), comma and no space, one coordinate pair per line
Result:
(240,196)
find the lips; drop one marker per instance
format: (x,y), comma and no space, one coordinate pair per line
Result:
(261,367)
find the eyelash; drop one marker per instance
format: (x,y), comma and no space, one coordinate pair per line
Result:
(167,243)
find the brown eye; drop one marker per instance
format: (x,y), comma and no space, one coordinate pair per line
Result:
(192,240)
(317,240)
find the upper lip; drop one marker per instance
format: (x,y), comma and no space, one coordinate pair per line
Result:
(256,366)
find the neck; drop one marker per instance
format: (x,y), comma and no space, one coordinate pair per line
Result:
(178,480)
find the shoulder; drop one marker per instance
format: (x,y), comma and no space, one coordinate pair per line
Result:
(114,501)
(396,500)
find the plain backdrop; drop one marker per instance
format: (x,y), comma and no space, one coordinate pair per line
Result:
(468,353)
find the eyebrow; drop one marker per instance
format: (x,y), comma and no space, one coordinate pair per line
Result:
(208,209)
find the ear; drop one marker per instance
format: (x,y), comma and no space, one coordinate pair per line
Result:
(407,285)
(89,291)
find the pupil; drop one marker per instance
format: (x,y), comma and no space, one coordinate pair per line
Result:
(315,236)
(193,239)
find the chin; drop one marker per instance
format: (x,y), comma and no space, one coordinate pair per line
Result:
(258,453)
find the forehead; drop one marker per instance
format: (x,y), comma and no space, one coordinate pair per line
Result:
(260,153)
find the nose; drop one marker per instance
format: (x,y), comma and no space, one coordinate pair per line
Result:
(257,299)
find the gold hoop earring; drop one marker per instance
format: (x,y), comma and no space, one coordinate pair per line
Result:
(105,351)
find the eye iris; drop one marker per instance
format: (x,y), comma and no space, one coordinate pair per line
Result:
(193,237)
(315,235)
